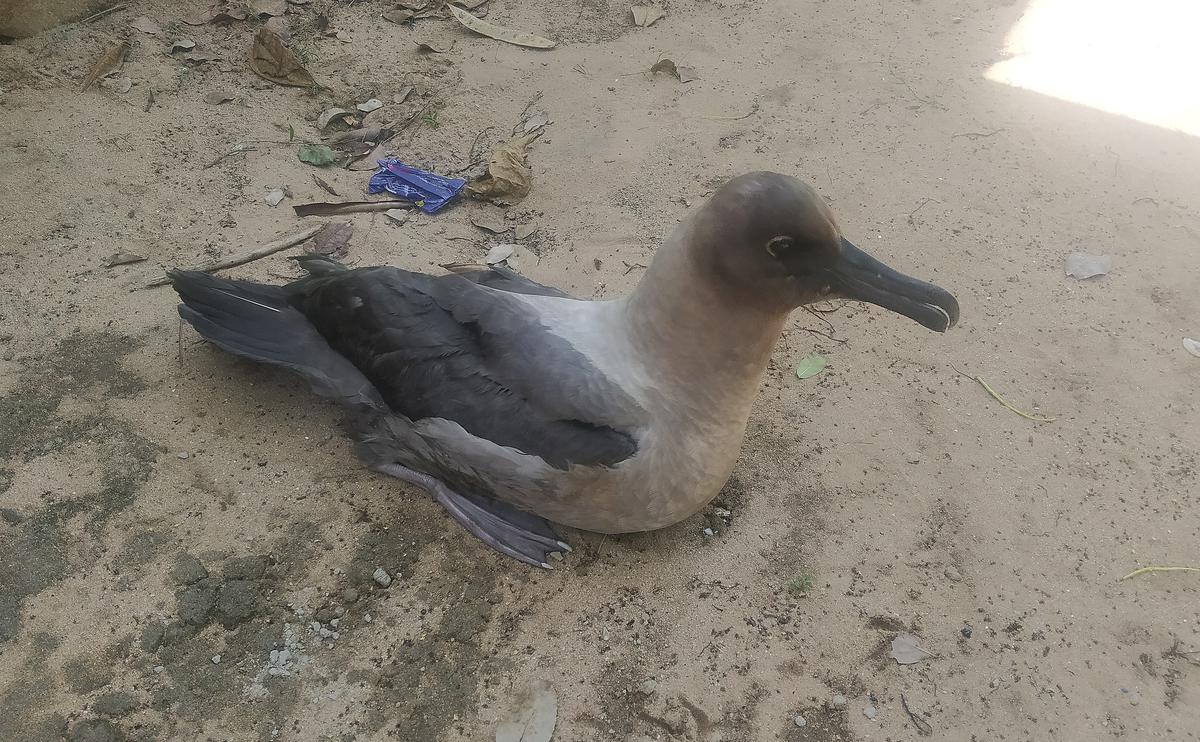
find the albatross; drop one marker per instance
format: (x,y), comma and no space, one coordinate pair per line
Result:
(518,407)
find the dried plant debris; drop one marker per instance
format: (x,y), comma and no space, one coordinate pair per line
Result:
(262,8)
(500,33)
(325,186)
(330,115)
(218,97)
(532,717)
(906,651)
(1083,265)
(122,258)
(681,73)
(333,239)
(317,154)
(145,25)
(508,177)
(322,208)
(273,61)
(646,15)
(111,61)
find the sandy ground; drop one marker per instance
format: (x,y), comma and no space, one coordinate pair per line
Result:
(164,504)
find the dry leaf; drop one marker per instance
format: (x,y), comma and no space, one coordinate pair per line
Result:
(511,36)
(274,197)
(399,15)
(145,25)
(273,61)
(508,177)
(425,47)
(646,15)
(358,142)
(494,225)
(325,186)
(533,123)
(525,231)
(198,57)
(200,17)
(217,99)
(333,239)
(330,114)
(1083,265)
(499,254)
(680,73)
(469,4)
(371,160)
(267,7)
(402,95)
(532,717)
(107,64)
(228,13)
(413,5)
(321,208)
(906,651)
(370,105)
(122,258)
(686,74)
(182,45)
(121,84)
(1192,346)
(398,216)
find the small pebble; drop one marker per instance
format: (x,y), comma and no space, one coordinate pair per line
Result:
(381,577)
(339,612)
(216,659)
(870,712)
(334,623)
(708,531)
(838,700)
(349,595)
(183,454)
(953,574)
(966,632)
(1134,698)
(996,682)
(367,618)
(648,687)
(799,721)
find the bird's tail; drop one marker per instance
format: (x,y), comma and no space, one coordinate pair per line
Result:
(256,321)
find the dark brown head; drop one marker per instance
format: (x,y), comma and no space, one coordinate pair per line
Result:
(773,240)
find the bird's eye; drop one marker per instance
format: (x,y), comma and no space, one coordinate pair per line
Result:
(776,246)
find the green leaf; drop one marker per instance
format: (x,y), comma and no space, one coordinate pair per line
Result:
(810,366)
(291,133)
(317,154)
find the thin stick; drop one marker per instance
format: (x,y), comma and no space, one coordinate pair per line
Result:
(101,14)
(1005,402)
(238,150)
(753,110)
(270,248)
(1159,568)
(923,727)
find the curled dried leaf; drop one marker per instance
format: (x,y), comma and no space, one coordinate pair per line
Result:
(508,178)
(500,33)
(333,239)
(217,98)
(646,15)
(273,61)
(267,7)
(329,115)
(110,62)
(145,25)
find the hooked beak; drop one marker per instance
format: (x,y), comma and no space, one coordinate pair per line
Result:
(857,275)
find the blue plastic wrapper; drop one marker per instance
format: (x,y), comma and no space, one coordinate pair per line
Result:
(432,191)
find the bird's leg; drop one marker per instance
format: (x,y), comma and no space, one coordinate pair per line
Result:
(520,535)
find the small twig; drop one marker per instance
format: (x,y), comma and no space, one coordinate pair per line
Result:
(101,14)
(818,332)
(270,248)
(149,100)
(1159,568)
(238,150)
(753,110)
(921,205)
(923,727)
(1002,400)
(629,267)
(978,134)
(814,312)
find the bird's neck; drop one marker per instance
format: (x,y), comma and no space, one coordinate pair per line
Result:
(697,337)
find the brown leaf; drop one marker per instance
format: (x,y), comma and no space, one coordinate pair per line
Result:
(333,239)
(325,186)
(399,15)
(500,33)
(279,27)
(372,158)
(680,73)
(199,57)
(686,74)
(508,177)
(145,25)
(228,13)
(267,7)
(122,258)
(424,47)
(358,141)
(525,231)
(469,4)
(273,61)
(323,208)
(182,45)
(107,64)
(217,98)
(200,17)
(646,15)
(413,5)
(494,224)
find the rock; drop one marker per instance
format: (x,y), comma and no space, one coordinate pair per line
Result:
(237,603)
(95,730)
(381,577)
(838,700)
(196,602)
(324,614)
(799,721)
(1134,698)
(114,704)
(966,632)
(184,455)
(216,659)
(870,712)
(187,570)
(349,595)
(708,531)
(952,574)
(152,637)
(11,517)
(245,568)
(648,687)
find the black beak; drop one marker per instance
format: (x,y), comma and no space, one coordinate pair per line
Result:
(859,276)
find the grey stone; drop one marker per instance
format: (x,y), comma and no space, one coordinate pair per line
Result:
(152,637)
(11,517)
(246,568)
(114,704)
(381,577)
(952,574)
(838,700)
(800,721)
(350,595)
(648,687)
(187,570)
(870,712)
(195,603)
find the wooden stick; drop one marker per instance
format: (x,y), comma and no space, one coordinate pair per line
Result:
(101,14)
(270,248)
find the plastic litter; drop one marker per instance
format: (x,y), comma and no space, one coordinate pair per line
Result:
(429,190)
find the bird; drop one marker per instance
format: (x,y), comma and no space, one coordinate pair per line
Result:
(521,409)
